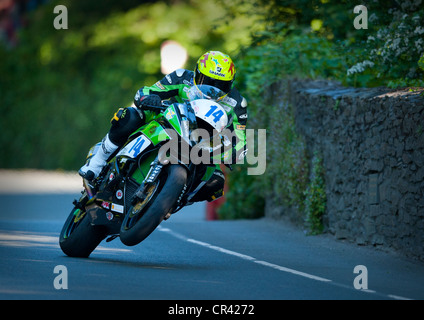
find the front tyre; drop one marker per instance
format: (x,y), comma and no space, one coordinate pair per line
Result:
(162,198)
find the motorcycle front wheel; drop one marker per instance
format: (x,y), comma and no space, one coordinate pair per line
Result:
(145,216)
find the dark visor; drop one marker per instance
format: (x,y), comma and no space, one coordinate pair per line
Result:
(220,84)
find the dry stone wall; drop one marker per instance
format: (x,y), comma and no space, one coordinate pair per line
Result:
(372,143)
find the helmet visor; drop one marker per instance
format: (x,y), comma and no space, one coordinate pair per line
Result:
(205,92)
(223,85)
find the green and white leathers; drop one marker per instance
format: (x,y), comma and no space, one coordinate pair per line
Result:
(175,87)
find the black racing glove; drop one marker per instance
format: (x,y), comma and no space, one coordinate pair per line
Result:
(151,100)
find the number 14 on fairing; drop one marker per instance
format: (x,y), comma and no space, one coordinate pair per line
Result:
(136,146)
(216,115)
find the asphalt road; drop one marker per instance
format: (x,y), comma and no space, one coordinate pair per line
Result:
(189,258)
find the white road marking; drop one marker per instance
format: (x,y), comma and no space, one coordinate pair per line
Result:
(397,297)
(232,253)
(284,269)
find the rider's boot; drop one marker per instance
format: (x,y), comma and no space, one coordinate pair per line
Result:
(211,190)
(95,164)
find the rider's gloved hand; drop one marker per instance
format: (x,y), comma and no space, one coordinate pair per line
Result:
(151,100)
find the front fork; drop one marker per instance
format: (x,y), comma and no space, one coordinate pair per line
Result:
(151,177)
(156,168)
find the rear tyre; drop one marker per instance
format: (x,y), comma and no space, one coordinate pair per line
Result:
(79,237)
(144,217)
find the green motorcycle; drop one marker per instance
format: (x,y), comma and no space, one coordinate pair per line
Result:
(152,176)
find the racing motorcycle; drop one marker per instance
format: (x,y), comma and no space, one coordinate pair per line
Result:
(146,181)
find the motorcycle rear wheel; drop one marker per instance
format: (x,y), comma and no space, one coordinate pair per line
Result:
(162,199)
(79,237)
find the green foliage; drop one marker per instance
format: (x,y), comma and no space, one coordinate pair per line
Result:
(385,54)
(304,55)
(392,48)
(421,62)
(315,198)
(287,170)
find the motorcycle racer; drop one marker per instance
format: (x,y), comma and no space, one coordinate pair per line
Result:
(213,68)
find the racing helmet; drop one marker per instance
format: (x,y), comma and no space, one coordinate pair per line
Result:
(216,69)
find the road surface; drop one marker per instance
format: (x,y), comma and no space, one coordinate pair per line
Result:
(187,258)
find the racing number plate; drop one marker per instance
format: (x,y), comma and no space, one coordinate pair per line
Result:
(135,147)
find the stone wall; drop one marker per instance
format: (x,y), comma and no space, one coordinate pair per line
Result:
(372,143)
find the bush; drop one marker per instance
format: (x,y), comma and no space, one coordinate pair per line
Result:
(390,54)
(315,198)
